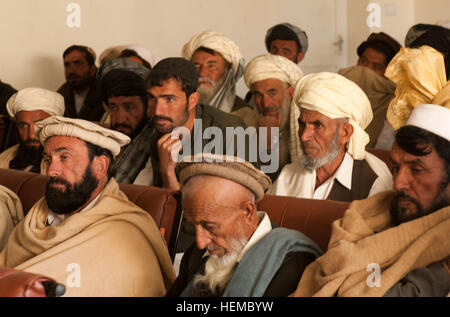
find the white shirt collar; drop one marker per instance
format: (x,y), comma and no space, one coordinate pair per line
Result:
(344,172)
(54,219)
(263,228)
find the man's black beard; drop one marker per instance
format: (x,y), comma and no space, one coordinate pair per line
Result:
(73,197)
(399,213)
(83,83)
(27,155)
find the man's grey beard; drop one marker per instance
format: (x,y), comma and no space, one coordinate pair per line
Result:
(219,269)
(207,93)
(311,163)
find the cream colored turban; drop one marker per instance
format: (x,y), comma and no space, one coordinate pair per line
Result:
(420,77)
(272,66)
(33,99)
(217,42)
(335,96)
(84,130)
(228,167)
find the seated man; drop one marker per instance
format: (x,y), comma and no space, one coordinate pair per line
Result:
(27,107)
(374,56)
(237,252)
(81,92)
(220,64)
(271,80)
(287,40)
(333,163)
(173,102)
(401,234)
(10,213)
(85,233)
(124,92)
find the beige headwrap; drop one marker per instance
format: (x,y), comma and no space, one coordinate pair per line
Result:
(217,42)
(272,66)
(32,99)
(83,130)
(335,96)
(229,167)
(420,77)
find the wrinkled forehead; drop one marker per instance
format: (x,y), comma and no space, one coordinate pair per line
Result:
(58,143)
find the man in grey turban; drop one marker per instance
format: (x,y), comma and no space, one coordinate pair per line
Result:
(287,40)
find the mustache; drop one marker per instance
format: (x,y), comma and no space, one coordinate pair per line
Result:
(206,79)
(29,141)
(121,125)
(154,118)
(58,180)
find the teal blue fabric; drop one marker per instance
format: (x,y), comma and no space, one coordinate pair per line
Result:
(261,262)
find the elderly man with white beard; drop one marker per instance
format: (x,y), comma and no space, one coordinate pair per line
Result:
(237,253)
(332,162)
(220,65)
(271,80)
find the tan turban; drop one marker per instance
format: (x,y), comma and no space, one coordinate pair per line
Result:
(84,130)
(335,96)
(33,99)
(228,167)
(420,77)
(219,43)
(272,66)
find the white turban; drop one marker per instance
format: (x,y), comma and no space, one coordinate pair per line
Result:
(84,130)
(335,96)
(219,43)
(33,99)
(272,66)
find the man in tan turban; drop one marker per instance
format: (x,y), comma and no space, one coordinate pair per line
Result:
(396,243)
(85,233)
(220,64)
(237,251)
(271,80)
(332,162)
(27,107)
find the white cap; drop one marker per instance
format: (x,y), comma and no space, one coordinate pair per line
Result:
(433,118)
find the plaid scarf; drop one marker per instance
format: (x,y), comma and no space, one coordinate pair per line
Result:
(134,157)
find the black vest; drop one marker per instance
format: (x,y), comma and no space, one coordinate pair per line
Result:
(363,178)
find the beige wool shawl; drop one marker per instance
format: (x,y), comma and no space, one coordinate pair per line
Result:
(113,249)
(363,236)
(11,213)
(8,155)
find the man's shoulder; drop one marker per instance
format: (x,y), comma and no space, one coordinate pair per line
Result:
(221,118)
(65,90)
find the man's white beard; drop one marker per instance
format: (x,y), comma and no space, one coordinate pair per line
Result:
(311,163)
(219,269)
(207,93)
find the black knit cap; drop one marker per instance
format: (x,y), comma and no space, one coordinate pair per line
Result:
(177,67)
(381,42)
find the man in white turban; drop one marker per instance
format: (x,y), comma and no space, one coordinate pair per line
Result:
(84,232)
(332,162)
(271,80)
(26,107)
(220,65)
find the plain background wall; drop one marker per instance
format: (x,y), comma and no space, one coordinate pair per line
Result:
(35,34)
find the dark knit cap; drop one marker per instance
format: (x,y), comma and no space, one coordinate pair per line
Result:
(380,42)
(177,67)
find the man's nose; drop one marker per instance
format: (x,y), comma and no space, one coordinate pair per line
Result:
(402,179)
(54,169)
(305,133)
(201,237)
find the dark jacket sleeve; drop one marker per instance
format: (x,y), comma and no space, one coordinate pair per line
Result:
(288,276)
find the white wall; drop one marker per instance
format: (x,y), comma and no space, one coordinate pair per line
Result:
(35,34)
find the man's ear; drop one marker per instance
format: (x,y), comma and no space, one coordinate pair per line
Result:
(300,56)
(291,92)
(93,70)
(249,210)
(193,100)
(100,166)
(345,133)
